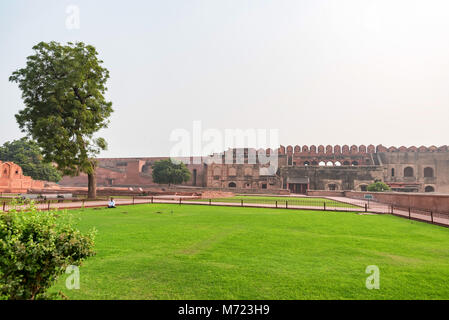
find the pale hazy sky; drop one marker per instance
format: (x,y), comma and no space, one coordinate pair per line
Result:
(322,72)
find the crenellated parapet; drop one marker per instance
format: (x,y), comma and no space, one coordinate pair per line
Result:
(354,149)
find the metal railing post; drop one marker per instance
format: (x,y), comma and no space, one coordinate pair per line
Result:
(366,207)
(152,199)
(409,212)
(210,202)
(324,205)
(241,202)
(276,203)
(286,204)
(431,216)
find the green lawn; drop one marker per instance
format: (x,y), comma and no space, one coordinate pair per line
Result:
(303,201)
(164,251)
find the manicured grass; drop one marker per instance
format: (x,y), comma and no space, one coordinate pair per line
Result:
(164,251)
(303,201)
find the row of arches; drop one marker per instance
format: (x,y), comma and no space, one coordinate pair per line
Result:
(330,163)
(262,185)
(409,172)
(364,187)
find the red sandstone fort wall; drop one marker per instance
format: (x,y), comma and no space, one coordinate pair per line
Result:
(12,179)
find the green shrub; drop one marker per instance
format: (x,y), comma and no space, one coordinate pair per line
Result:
(378,186)
(35,248)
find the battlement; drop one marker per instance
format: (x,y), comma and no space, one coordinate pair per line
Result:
(355,150)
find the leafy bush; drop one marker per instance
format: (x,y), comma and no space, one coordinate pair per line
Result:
(378,186)
(35,248)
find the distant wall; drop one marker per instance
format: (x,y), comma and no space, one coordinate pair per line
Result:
(433,202)
(234,190)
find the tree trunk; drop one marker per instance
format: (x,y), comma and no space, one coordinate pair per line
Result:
(92,185)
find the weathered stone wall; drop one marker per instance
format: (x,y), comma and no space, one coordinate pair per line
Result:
(429,169)
(129,172)
(240,176)
(12,179)
(343,167)
(344,178)
(431,202)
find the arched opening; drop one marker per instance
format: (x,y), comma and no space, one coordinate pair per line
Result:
(408,172)
(332,186)
(429,189)
(322,164)
(346,163)
(232,185)
(338,164)
(314,163)
(363,187)
(306,163)
(428,172)
(354,163)
(329,164)
(392,172)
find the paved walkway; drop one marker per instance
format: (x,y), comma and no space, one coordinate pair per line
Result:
(377,207)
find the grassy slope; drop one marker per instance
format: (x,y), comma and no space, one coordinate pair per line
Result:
(281,201)
(195,252)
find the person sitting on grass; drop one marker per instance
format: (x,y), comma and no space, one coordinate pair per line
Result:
(111,203)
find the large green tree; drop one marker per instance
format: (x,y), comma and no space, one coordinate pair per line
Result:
(27,154)
(63,89)
(169,172)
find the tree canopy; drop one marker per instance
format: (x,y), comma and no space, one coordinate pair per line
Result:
(27,154)
(63,89)
(169,172)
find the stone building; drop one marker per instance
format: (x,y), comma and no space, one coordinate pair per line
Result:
(298,169)
(12,179)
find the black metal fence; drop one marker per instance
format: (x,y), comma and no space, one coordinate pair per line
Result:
(303,203)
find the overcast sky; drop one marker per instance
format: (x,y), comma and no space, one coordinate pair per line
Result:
(322,72)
